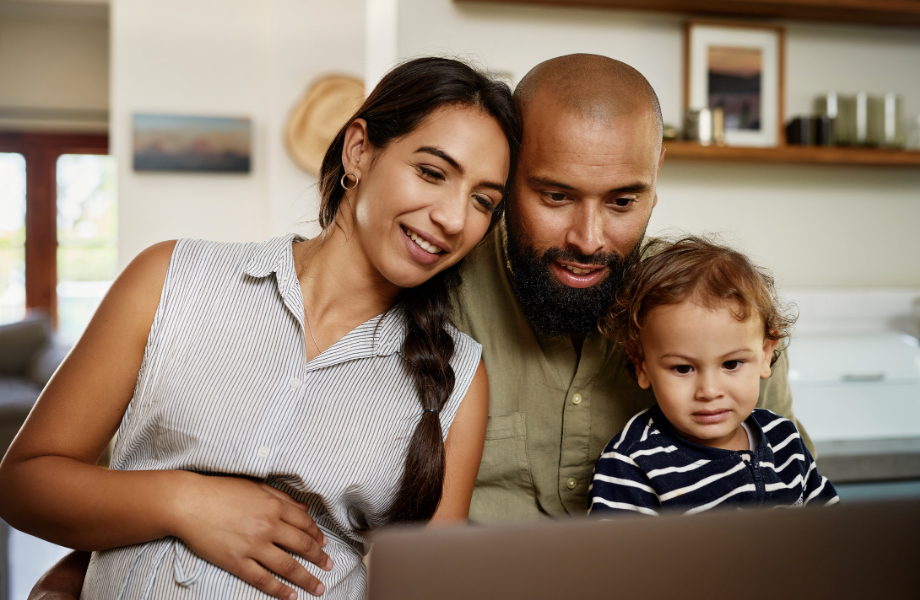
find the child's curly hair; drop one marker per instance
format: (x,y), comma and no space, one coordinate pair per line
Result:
(703,271)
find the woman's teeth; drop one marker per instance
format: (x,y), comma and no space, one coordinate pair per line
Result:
(430,249)
(578,271)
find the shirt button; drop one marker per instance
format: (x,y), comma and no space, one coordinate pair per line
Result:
(576,399)
(571,483)
(294,383)
(264,451)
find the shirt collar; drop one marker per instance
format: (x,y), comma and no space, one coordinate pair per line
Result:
(382,335)
(274,256)
(391,333)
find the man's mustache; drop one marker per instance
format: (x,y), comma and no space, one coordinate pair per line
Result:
(571,255)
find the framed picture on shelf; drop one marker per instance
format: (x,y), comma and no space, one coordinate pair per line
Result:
(738,68)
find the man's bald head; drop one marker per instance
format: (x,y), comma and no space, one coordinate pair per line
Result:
(595,87)
(583,190)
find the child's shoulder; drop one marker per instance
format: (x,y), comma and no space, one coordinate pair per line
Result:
(779,431)
(640,433)
(769,420)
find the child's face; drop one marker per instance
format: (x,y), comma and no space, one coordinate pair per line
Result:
(705,368)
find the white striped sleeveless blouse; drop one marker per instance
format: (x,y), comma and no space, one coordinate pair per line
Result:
(225,389)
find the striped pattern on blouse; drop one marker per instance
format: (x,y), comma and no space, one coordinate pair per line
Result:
(648,467)
(225,389)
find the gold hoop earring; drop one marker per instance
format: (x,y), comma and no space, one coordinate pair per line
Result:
(344,178)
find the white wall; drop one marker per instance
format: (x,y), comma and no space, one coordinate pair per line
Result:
(250,58)
(54,67)
(815,226)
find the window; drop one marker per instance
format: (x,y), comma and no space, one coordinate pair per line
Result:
(87,250)
(57,226)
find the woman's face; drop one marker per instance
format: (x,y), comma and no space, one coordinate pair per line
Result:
(425,200)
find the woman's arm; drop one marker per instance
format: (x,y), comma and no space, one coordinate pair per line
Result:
(463,451)
(54,490)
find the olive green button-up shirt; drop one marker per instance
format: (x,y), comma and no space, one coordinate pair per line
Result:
(550,413)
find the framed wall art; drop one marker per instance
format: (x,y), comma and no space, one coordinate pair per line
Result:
(192,144)
(738,68)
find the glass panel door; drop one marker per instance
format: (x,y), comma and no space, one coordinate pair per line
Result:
(12,237)
(87,225)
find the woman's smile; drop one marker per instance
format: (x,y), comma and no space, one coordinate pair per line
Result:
(420,249)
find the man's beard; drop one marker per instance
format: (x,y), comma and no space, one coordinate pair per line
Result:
(551,307)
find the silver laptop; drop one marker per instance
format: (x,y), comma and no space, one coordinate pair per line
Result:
(860,550)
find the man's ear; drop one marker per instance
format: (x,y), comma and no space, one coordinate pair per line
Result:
(768,347)
(357,147)
(642,376)
(660,162)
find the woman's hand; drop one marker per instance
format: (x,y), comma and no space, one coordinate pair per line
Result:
(242,526)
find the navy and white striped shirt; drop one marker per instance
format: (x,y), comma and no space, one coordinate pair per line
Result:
(648,467)
(225,388)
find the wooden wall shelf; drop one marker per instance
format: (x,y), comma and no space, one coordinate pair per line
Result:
(879,12)
(794,155)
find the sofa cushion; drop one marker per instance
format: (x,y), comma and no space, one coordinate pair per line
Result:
(46,362)
(20,341)
(17,396)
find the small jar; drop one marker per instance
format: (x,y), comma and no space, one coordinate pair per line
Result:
(913,135)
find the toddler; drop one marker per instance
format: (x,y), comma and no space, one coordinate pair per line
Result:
(701,326)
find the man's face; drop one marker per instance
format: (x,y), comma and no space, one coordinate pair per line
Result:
(582,197)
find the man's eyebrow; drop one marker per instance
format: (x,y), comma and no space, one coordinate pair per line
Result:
(549,183)
(442,155)
(632,188)
(546,182)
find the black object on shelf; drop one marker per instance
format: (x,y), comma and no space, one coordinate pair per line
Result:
(810,131)
(798,132)
(821,127)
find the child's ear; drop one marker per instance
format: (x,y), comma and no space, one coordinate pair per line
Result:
(768,347)
(644,382)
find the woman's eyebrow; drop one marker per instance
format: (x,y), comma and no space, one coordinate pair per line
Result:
(443,155)
(494,186)
(450,160)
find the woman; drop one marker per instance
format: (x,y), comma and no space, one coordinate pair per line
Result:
(321,375)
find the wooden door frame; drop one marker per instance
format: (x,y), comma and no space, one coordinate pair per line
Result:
(41,152)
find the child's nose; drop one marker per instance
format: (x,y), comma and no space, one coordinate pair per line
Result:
(709,387)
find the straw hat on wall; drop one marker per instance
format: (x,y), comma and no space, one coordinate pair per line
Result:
(318,116)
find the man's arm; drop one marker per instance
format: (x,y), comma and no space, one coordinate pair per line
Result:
(64,580)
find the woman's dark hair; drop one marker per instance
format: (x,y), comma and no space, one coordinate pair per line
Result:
(700,270)
(398,105)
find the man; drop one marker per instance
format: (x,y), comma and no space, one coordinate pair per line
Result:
(582,196)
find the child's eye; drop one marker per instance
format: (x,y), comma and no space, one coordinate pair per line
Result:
(731,365)
(682,369)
